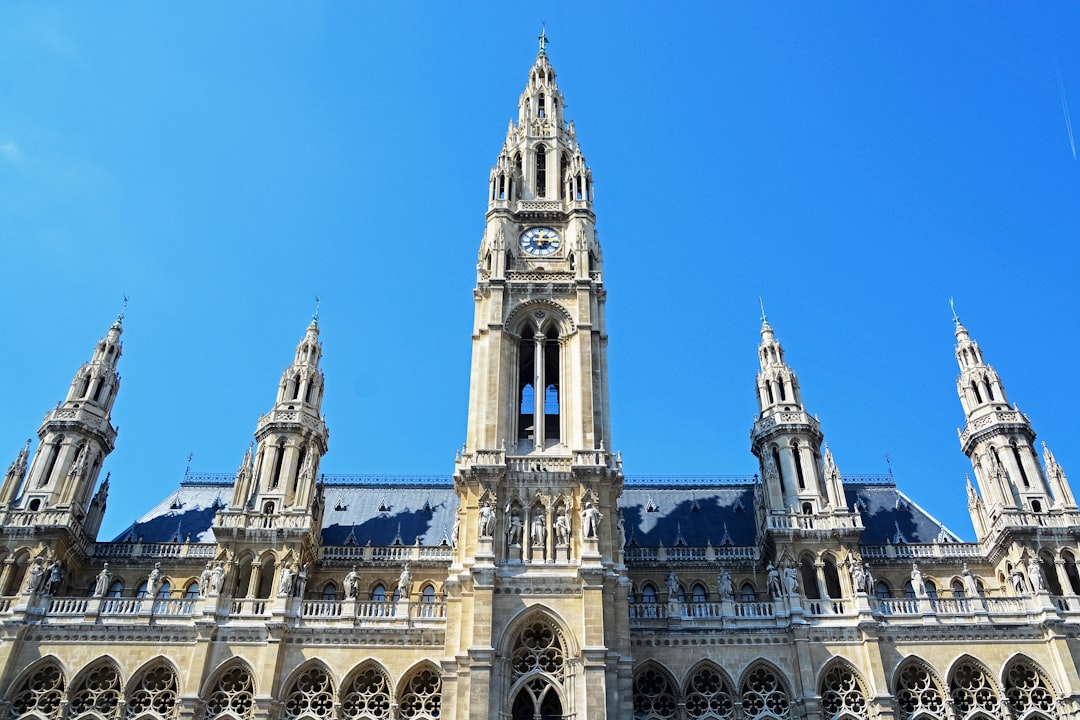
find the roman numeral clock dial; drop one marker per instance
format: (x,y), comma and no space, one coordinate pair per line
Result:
(540,241)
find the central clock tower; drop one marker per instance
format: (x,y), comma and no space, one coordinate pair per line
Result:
(537,595)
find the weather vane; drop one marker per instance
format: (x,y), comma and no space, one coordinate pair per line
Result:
(123,309)
(315,317)
(762,304)
(952,306)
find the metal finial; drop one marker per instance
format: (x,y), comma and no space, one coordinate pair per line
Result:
(187,470)
(762,304)
(952,306)
(542,37)
(123,309)
(315,317)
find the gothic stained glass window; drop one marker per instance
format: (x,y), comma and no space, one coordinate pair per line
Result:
(310,695)
(96,691)
(422,697)
(1026,689)
(971,688)
(368,695)
(155,692)
(233,693)
(917,690)
(709,696)
(654,696)
(40,692)
(841,692)
(763,694)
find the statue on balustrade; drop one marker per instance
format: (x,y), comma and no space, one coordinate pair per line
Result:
(772,579)
(724,584)
(101,585)
(352,583)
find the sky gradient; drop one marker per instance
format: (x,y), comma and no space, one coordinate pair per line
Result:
(853,165)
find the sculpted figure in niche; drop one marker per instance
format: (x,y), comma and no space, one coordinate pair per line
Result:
(405,582)
(1035,576)
(1018,580)
(301,581)
(102,585)
(791,580)
(772,579)
(562,528)
(869,579)
(286,582)
(517,528)
(217,578)
(56,576)
(590,520)
(154,581)
(487,520)
(858,577)
(539,532)
(723,582)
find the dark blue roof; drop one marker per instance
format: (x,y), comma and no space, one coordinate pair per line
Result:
(656,511)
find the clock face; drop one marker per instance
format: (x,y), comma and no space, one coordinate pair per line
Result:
(540,241)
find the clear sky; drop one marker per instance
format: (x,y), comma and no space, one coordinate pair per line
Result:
(853,164)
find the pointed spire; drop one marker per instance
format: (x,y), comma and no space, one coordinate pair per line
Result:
(18,468)
(766,329)
(961,331)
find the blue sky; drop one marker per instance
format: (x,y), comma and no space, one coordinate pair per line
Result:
(853,164)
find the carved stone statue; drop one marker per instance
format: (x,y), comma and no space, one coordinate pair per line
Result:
(723,582)
(673,589)
(285,583)
(1018,581)
(204,578)
(517,528)
(487,520)
(562,528)
(590,520)
(772,580)
(791,580)
(56,576)
(917,583)
(405,582)
(869,579)
(217,578)
(1035,576)
(858,576)
(101,586)
(351,583)
(970,583)
(538,532)
(153,582)
(301,581)
(35,576)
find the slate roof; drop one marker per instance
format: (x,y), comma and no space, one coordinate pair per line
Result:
(656,510)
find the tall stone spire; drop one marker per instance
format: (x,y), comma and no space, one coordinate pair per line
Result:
(788,441)
(76,436)
(289,440)
(999,439)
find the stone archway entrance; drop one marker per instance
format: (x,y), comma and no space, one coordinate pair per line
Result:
(537,700)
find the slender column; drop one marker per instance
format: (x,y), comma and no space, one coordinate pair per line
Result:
(1059,567)
(791,475)
(539,391)
(823,587)
(253,583)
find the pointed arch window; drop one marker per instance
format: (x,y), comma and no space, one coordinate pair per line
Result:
(54,455)
(841,692)
(422,697)
(1026,689)
(1020,465)
(918,691)
(368,696)
(654,696)
(709,696)
(97,691)
(748,593)
(310,695)
(41,692)
(541,171)
(278,460)
(156,691)
(971,688)
(233,694)
(764,694)
(378,593)
(541,110)
(975,391)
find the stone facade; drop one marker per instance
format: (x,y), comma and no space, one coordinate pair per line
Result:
(537,581)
